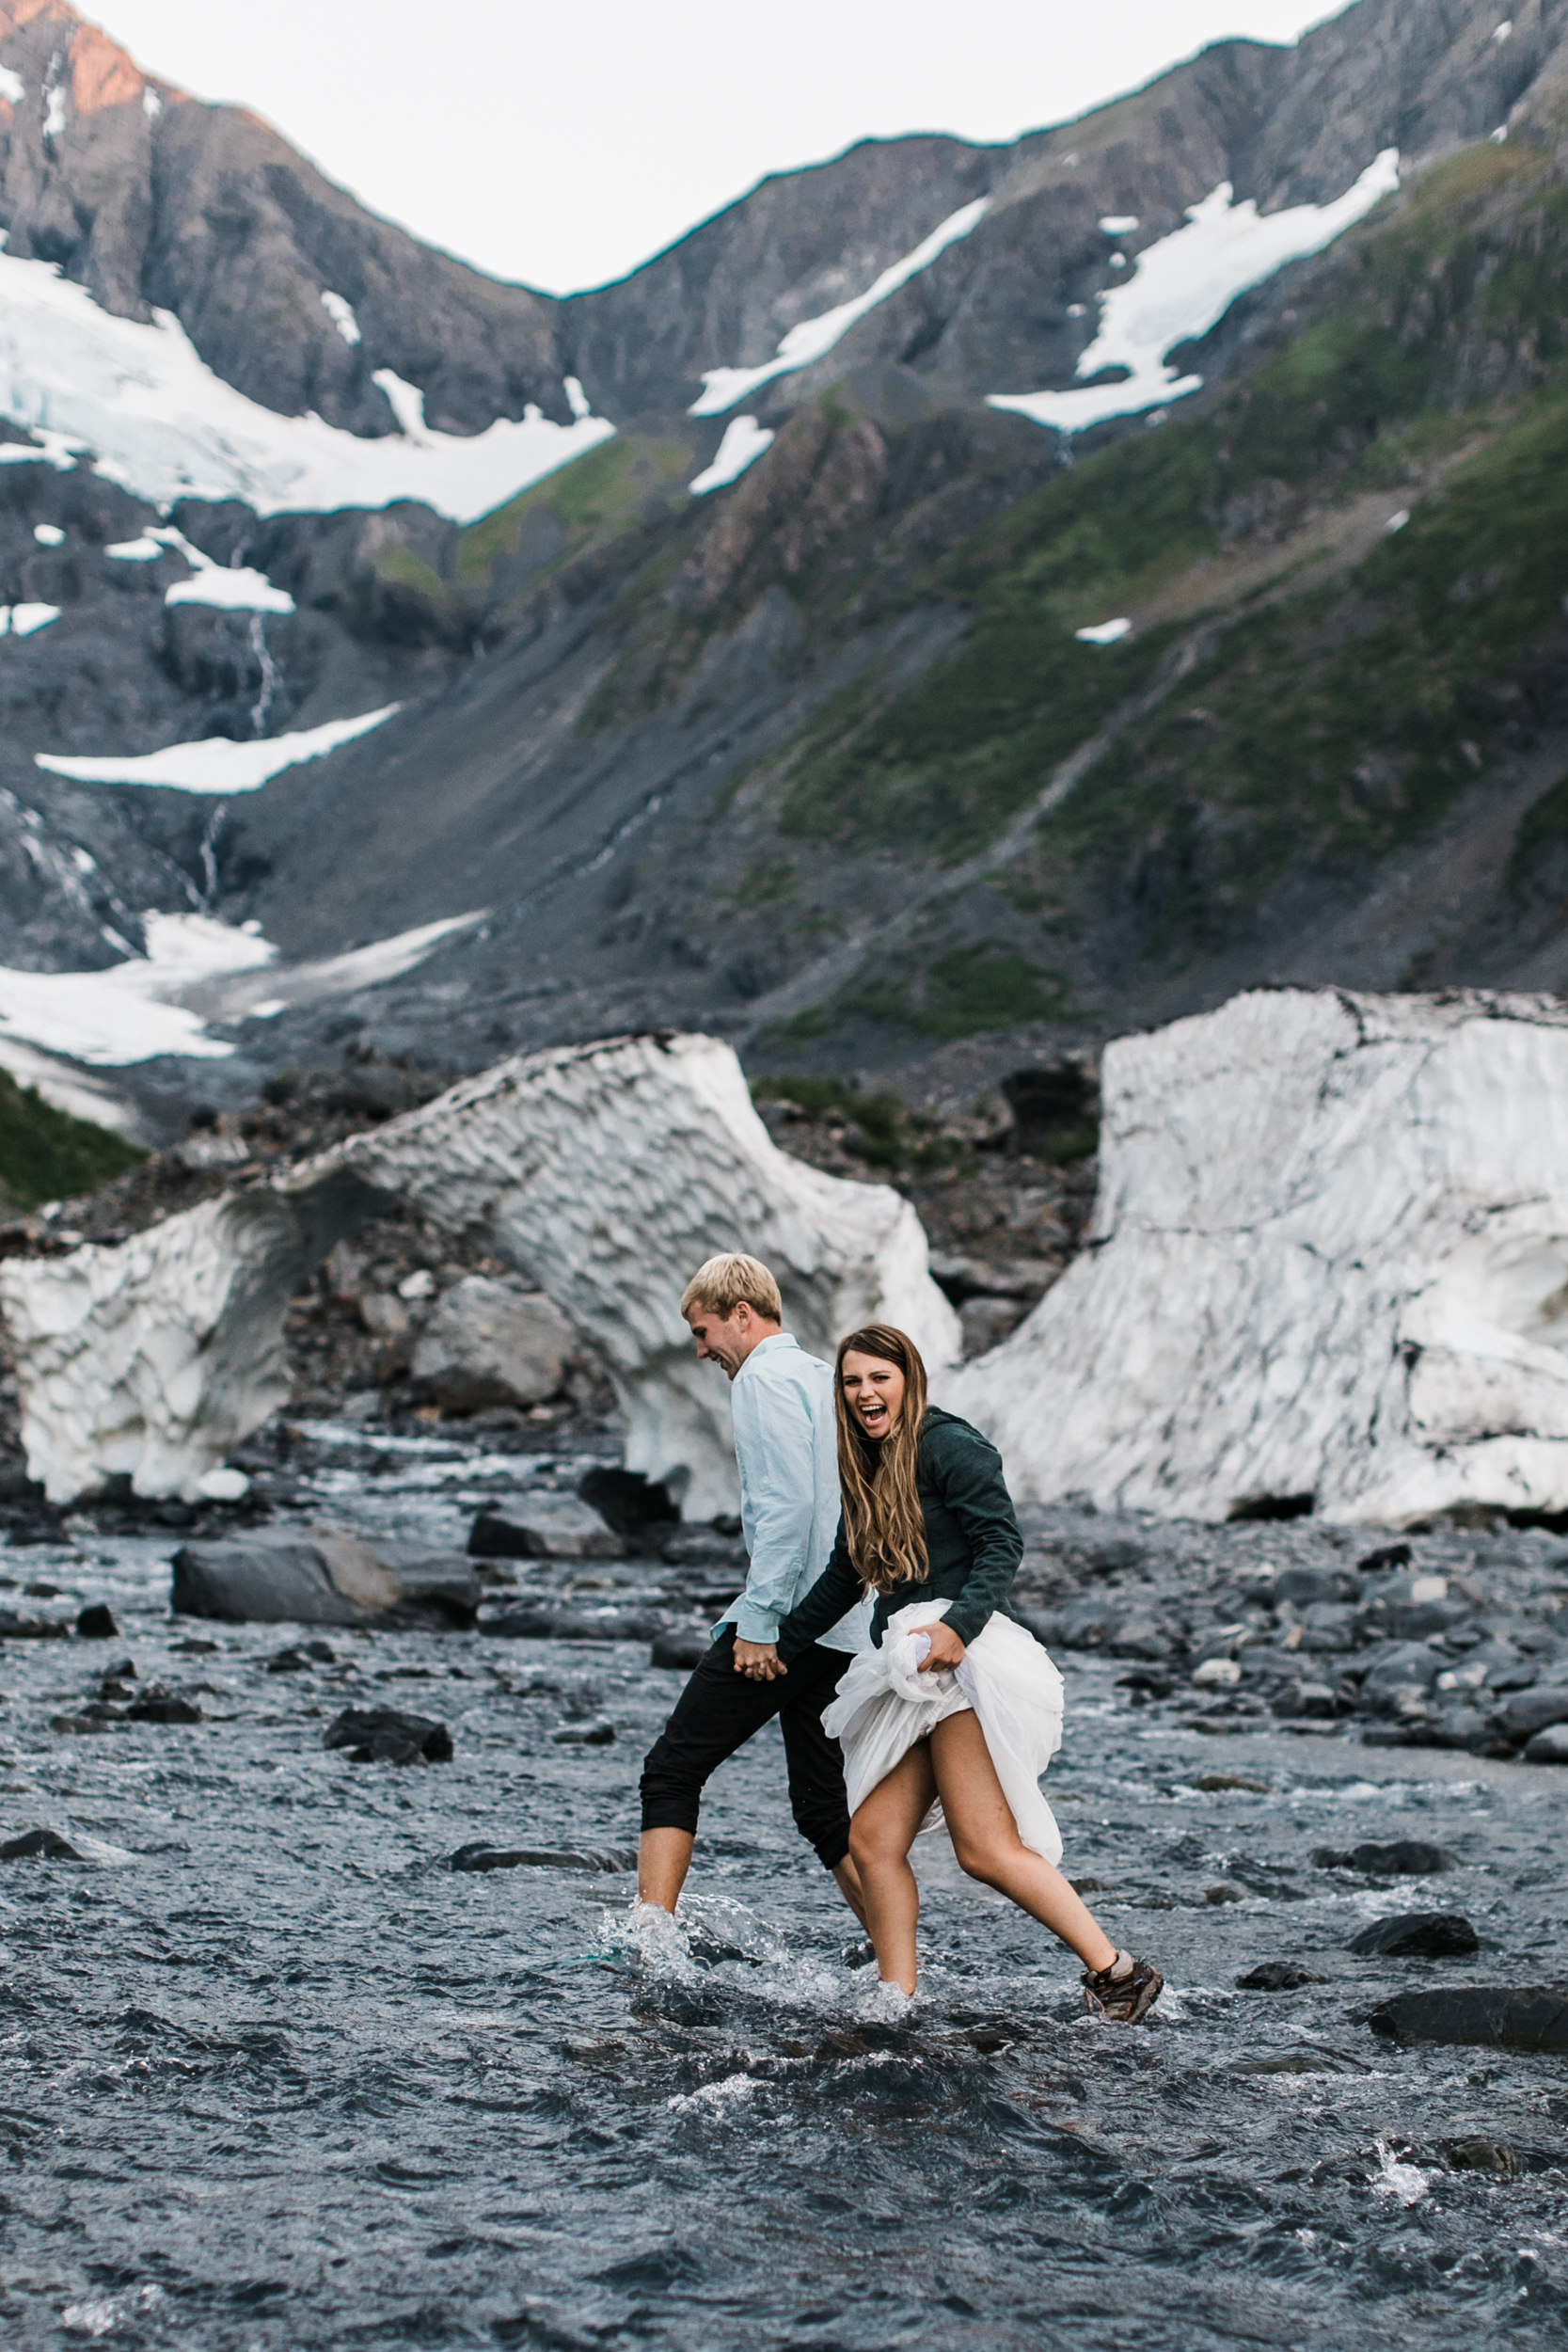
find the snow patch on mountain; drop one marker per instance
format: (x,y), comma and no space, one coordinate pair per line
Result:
(341,315)
(1183,285)
(142,551)
(744,442)
(813,338)
(14,89)
(21,620)
(231,588)
(161,423)
(217,765)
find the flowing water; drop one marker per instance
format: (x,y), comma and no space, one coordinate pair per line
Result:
(271,2074)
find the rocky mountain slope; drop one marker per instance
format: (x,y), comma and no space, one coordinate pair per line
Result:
(769,710)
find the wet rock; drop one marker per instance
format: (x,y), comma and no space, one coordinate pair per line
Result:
(79,1727)
(1529,1712)
(17,1628)
(294,1661)
(1224,1893)
(681,1650)
(545,1527)
(1504,2017)
(1406,1857)
(601,1734)
(47,1842)
(1277,1975)
(377,1735)
(1316,1701)
(1090,1887)
(324,1576)
(1549,1746)
(1480,2155)
(1213,1783)
(96,1623)
(156,1705)
(703,1547)
(480,1856)
(626,1501)
(1418,1935)
(493,1342)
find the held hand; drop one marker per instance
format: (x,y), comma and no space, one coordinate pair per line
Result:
(759,1660)
(945,1650)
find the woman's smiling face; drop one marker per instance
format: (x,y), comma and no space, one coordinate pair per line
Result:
(874,1391)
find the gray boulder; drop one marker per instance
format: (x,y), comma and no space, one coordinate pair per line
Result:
(321,1576)
(1528,1711)
(1549,1746)
(544,1527)
(1418,1935)
(1483,2016)
(493,1342)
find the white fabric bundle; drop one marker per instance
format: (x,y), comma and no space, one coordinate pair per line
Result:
(885,1704)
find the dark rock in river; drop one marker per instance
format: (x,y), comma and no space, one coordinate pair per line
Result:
(97,1622)
(626,1501)
(1504,2017)
(380,1735)
(1407,1857)
(47,1842)
(544,1527)
(1276,1976)
(1549,1746)
(684,1650)
(162,1707)
(481,1857)
(323,1576)
(1418,1935)
(15,1628)
(584,1736)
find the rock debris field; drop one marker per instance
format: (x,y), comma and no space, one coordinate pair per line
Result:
(313,2032)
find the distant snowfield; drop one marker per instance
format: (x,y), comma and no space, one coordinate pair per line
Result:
(1183,286)
(813,338)
(23,620)
(744,442)
(160,423)
(196,971)
(217,765)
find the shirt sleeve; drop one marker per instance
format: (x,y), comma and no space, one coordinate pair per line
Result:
(833,1595)
(774,1447)
(969,1477)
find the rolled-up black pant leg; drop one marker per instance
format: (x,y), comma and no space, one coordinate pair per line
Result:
(813,1757)
(719,1712)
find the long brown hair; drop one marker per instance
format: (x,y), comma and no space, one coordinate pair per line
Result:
(880,1480)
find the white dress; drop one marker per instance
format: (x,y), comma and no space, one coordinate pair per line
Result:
(885,1704)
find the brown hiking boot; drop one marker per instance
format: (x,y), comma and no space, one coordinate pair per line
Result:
(1123,1992)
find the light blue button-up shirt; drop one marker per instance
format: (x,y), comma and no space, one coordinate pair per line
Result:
(787,1446)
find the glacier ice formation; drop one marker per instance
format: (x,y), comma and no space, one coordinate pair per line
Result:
(1328,1268)
(604,1174)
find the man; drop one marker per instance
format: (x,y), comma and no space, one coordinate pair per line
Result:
(787,1448)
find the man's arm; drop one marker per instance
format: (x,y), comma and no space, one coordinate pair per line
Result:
(774,1449)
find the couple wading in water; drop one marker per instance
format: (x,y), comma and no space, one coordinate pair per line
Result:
(875,1624)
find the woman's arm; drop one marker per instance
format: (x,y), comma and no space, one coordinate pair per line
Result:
(835,1593)
(967,1471)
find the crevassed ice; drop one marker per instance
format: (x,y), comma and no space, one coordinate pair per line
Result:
(217,765)
(743,443)
(164,426)
(813,338)
(1183,286)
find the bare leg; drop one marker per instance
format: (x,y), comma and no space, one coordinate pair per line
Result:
(880,1837)
(851,1889)
(663,1859)
(986,1841)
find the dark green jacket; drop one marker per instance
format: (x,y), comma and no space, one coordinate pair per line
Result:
(972,1541)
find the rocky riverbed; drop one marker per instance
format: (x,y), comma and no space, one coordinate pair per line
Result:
(277,2075)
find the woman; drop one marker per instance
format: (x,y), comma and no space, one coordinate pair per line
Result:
(956,1708)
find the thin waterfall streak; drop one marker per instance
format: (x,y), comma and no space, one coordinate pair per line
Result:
(268,667)
(209,857)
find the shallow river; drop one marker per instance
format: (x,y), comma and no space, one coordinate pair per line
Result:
(279,2077)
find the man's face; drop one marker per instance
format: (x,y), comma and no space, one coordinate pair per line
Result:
(726,1340)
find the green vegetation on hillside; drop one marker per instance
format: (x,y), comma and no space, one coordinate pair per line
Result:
(602,490)
(45,1154)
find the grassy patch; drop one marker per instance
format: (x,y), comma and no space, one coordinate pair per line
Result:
(601,489)
(764,884)
(45,1154)
(878,1120)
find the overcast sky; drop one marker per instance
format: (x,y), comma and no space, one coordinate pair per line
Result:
(562,145)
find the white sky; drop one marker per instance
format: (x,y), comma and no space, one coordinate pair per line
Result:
(563,144)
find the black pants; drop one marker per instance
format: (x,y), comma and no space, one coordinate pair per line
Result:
(718,1710)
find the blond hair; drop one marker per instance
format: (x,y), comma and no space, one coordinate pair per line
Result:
(879,1478)
(729,1281)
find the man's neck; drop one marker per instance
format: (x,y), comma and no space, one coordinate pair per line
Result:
(764,1332)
